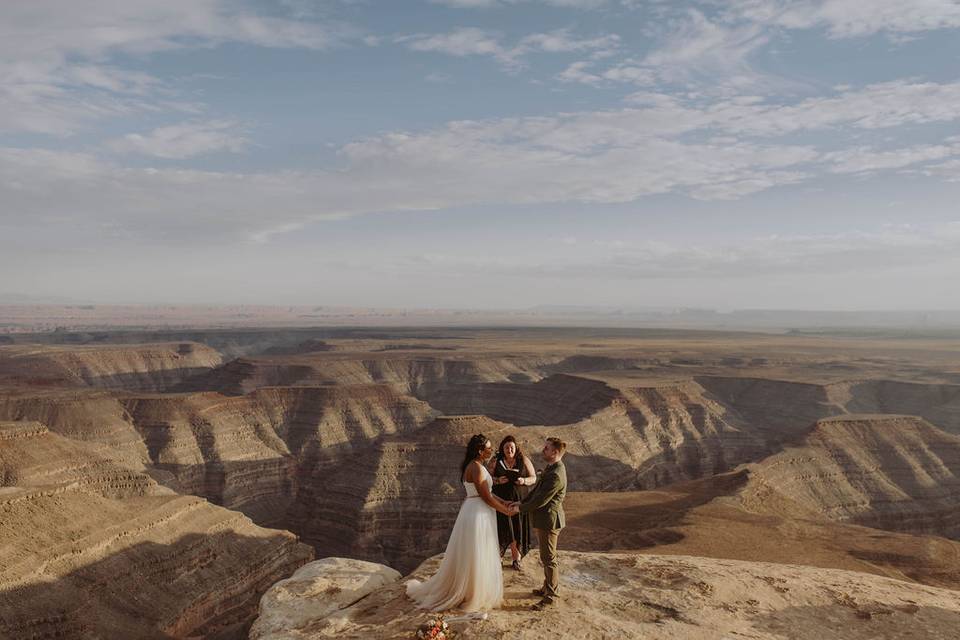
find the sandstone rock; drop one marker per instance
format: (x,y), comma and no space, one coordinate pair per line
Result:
(89,415)
(246,452)
(32,456)
(395,501)
(420,375)
(314,592)
(884,471)
(149,367)
(91,549)
(675,598)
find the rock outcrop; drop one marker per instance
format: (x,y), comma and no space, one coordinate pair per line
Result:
(317,590)
(420,375)
(246,452)
(883,471)
(87,415)
(782,409)
(149,367)
(661,597)
(90,549)
(937,403)
(395,501)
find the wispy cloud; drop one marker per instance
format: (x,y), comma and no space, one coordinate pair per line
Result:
(56,76)
(715,150)
(470,41)
(693,49)
(850,18)
(486,4)
(183,140)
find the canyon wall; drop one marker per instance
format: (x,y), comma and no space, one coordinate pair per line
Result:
(89,548)
(889,472)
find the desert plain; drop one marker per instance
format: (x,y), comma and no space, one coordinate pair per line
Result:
(157,484)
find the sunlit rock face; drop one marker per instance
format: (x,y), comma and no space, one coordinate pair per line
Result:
(883,471)
(641,596)
(149,367)
(90,548)
(316,591)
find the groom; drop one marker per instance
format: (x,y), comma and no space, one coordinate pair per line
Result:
(545,503)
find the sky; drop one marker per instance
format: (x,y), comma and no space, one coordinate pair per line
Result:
(489,154)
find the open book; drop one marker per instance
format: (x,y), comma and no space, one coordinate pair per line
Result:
(511,474)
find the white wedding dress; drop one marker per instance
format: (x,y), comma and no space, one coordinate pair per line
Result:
(469,577)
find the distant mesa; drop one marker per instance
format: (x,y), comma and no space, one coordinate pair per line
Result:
(307,346)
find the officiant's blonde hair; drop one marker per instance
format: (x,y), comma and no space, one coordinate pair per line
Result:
(558,444)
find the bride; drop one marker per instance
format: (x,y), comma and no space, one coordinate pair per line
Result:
(470,575)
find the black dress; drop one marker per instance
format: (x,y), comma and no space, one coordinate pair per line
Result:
(514,528)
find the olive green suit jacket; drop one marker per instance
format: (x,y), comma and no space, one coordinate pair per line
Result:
(545,501)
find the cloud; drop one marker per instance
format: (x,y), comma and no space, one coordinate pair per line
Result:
(470,41)
(876,106)
(183,140)
(868,160)
(949,171)
(692,49)
(706,149)
(460,42)
(56,76)
(486,4)
(701,43)
(58,29)
(851,18)
(713,44)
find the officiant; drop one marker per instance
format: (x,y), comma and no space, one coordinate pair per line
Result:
(513,474)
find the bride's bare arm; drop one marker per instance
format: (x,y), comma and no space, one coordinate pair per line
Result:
(476,477)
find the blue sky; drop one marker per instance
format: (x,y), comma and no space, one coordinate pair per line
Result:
(482,153)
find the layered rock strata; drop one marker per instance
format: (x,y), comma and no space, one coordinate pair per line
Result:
(395,501)
(151,367)
(883,471)
(420,375)
(89,549)
(246,452)
(87,415)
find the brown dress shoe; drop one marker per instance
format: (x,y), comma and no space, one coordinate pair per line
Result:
(543,604)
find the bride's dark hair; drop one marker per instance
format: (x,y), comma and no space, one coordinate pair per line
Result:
(474,447)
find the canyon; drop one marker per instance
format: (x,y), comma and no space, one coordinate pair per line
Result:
(203,468)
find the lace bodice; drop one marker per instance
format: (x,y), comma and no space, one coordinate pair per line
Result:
(472,488)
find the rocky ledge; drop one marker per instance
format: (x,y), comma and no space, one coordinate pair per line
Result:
(622,596)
